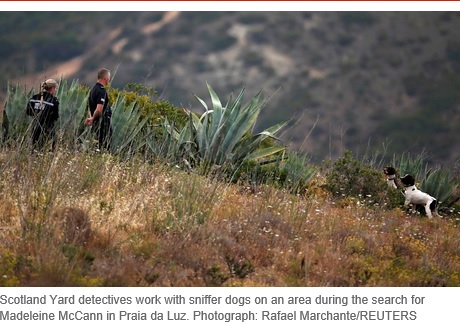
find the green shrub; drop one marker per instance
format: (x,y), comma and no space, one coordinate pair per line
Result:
(15,124)
(443,187)
(408,164)
(148,105)
(138,119)
(351,177)
(221,136)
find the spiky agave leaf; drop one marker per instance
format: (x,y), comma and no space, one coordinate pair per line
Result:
(248,149)
(15,108)
(439,184)
(217,124)
(239,120)
(298,171)
(261,154)
(417,166)
(73,101)
(222,134)
(129,134)
(173,145)
(214,123)
(212,129)
(199,126)
(163,146)
(238,127)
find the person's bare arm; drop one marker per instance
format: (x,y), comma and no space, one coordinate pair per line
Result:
(97,114)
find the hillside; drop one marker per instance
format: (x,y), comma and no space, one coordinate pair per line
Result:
(91,220)
(347,80)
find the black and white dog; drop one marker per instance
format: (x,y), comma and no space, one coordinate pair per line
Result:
(418,197)
(390,172)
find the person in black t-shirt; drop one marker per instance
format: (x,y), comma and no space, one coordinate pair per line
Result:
(44,107)
(100,110)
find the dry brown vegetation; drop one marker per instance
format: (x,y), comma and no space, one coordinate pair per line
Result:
(91,220)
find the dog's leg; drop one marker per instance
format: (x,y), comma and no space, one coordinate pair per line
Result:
(434,208)
(406,205)
(428,210)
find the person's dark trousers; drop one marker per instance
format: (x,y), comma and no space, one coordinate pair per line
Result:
(104,130)
(41,136)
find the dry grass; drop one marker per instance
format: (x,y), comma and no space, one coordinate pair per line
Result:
(90,220)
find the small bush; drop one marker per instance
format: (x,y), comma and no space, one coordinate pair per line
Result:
(350,177)
(149,105)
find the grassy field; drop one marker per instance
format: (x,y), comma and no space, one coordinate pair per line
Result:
(84,219)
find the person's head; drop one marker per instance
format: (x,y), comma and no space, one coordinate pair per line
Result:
(103,76)
(50,86)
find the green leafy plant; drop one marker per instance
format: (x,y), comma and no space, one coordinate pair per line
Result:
(220,138)
(129,131)
(222,134)
(175,147)
(73,101)
(15,122)
(440,184)
(149,105)
(297,172)
(415,166)
(350,177)
(290,170)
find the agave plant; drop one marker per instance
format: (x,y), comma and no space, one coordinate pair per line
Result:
(222,134)
(298,171)
(417,166)
(172,146)
(15,122)
(439,184)
(73,101)
(129,128)
(436,182)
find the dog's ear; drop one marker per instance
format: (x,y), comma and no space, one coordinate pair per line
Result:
(408,180)
(389,170)
(411,180)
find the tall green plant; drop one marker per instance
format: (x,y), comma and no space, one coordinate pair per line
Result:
(129,131)
(171,145)
(73,109)
(15,120)
(222,134)
(298,171)
(439,184)
(415,166)
(349,176)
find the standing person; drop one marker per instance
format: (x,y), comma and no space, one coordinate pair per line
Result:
(100,110)
(44,107)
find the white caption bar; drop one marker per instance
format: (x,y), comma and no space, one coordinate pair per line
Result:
(227,305)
